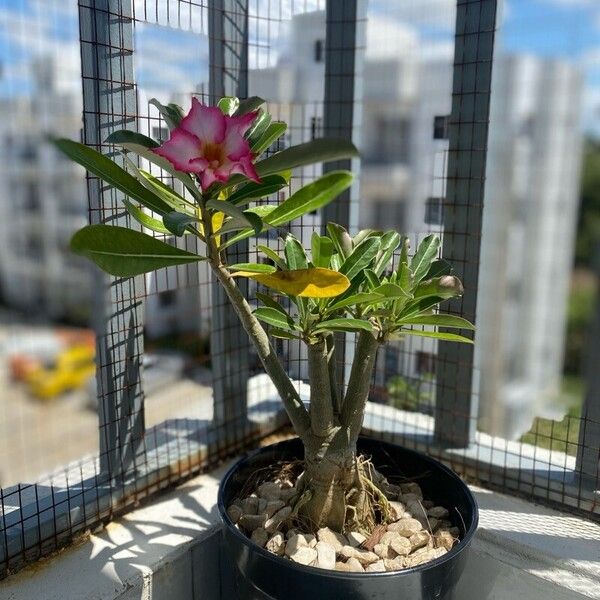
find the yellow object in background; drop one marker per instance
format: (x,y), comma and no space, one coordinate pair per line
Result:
(71,370)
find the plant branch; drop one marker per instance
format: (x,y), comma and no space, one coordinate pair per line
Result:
(321,407)
(333,379)
(359,383)
(289,396)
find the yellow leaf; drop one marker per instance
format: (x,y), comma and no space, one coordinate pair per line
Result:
(217,223)
(307,283)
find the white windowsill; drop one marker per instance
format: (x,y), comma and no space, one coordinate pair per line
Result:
(169,549)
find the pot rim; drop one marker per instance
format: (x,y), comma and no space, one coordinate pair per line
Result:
(460,547)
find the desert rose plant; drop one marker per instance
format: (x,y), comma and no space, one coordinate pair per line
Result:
(365,285)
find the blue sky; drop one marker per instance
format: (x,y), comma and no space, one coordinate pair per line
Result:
(177,61)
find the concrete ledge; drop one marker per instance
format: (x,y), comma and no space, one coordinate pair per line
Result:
(170,549)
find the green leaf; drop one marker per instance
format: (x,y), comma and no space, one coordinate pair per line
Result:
(125,253)
(273,317)
(315,151)
(341,239)
(363,234)
(321,250)
(438,268)
(144,218)
(273,132)
(294,254)
(361,298)
(269,253)
(252,267)
(240,217)
(390,240)
(248,105)
(104,168)
(280,333)
(258,127)
(142,146)
(177,222)
(344,325)
(270,302)
(440,321)
(449,337)
(423,257)
(310,197)
(172,114)
(390,290)
(447,286)
(373,279)
(252,190)
(228,105)
(416,307)
(361,257)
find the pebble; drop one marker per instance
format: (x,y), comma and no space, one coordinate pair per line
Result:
(235,512)
(251,522)
(277,519)
(423,557)
(259,536)
(439,512)
(376,567)
(287,494)
(325,555)
(405,527)
(276,544)
(300,540)
(398,509)
(250,505)
(273,506)
(304,555)
(444,539)
(342,566)
(401,545)
(337,540)
(363,556)
(354,565)
(269,490)
(383,551)
(411,488)
(419,539)
(355,538)
(394,564)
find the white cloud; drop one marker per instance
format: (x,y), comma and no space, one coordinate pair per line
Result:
(439,14)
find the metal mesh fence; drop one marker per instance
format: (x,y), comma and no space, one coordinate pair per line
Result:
(178,386)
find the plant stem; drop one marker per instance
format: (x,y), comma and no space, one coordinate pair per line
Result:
(258,336)
(333,378)
(359,383)
(321,407)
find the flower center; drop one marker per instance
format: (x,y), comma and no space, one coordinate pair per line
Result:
(214,154)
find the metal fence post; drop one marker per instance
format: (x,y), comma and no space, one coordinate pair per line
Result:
(588,449)
(455,410)
(230,347)
(109,103)
(342,115)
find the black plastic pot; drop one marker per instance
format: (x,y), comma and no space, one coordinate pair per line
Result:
(261,575)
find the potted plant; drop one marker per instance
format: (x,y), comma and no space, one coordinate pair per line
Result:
(329,499)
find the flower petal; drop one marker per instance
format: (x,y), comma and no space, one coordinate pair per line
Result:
(245,167)
(236,147)
(181,148)
(242,123)
(207,123)
(207,178)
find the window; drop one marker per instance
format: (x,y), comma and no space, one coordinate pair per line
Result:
(167,298)
(160,134)
(425,363)
(319,51)
(434,211)
(316,128)
(32,196)
(389,214)
(393,140)
(440,128)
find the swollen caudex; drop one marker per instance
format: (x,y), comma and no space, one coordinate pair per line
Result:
(412,531)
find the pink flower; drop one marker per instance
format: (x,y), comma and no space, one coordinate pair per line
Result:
(210,144)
